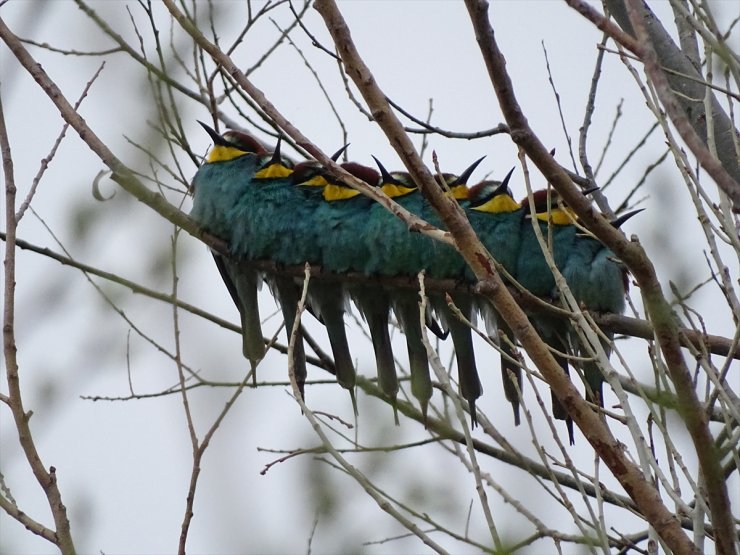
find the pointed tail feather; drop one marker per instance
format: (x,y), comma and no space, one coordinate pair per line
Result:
(406,307)
(328,301)
(470,386)
(289,296)
(550,332)
(374,304)
(511,374)
(242,284)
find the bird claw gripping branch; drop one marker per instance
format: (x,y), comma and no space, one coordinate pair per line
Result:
(269,210)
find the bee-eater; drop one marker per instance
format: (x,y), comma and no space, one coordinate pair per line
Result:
(556,224)
(224,178)
(497,219)
(339,220)
(444,261)
(599,282)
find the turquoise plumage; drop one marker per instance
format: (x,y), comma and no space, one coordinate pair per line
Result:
(497,219)
(340,217)
(267,210)
(559,232)
(224,178)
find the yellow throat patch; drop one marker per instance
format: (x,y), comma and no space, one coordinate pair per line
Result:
(220,153)
(558,216)
(338,192)
(273,171)
(500,204)
(394,191)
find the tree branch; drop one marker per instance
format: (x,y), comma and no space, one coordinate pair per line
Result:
(631,477)
(46,479)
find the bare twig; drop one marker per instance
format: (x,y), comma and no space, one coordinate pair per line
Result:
(47,479)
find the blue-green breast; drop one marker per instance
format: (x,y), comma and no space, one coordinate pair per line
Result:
(274,221)
(594,276)
(217,188)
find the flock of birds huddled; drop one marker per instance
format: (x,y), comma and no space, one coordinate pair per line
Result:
(267,208)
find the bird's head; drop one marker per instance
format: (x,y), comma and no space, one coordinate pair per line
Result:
(458,184)
(232,144)
(311,173)
(493,196)
(548,206)
(275,167)
(394,184)
(337,190)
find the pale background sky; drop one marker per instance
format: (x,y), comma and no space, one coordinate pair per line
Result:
(123,467)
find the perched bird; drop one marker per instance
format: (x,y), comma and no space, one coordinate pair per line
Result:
(599,282)
(556,224)
(446,262)
(341,217)
(222,181)
(391,252)
(497,219)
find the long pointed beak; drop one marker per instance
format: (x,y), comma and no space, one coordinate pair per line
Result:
(276,159)
(505,182)
(215,137)
(464,176)
(338,153)
(386,176)
(619,220)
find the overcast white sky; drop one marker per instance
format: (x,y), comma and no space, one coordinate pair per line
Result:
(124,466)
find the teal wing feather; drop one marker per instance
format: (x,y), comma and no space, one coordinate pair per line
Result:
(470,385)
(340,235)
(406,307)
(217,187)
(328,300)
(373,303)
(391,249)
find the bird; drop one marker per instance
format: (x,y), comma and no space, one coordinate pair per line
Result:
(221,181)
(497,218)
(394,251)
(557,226)
(600,283)
(444,261)
(340,219)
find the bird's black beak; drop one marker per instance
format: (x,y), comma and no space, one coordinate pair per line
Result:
(504,187)
(335,157)
(464,176)
(215,137)
(619,220)
(385,174)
